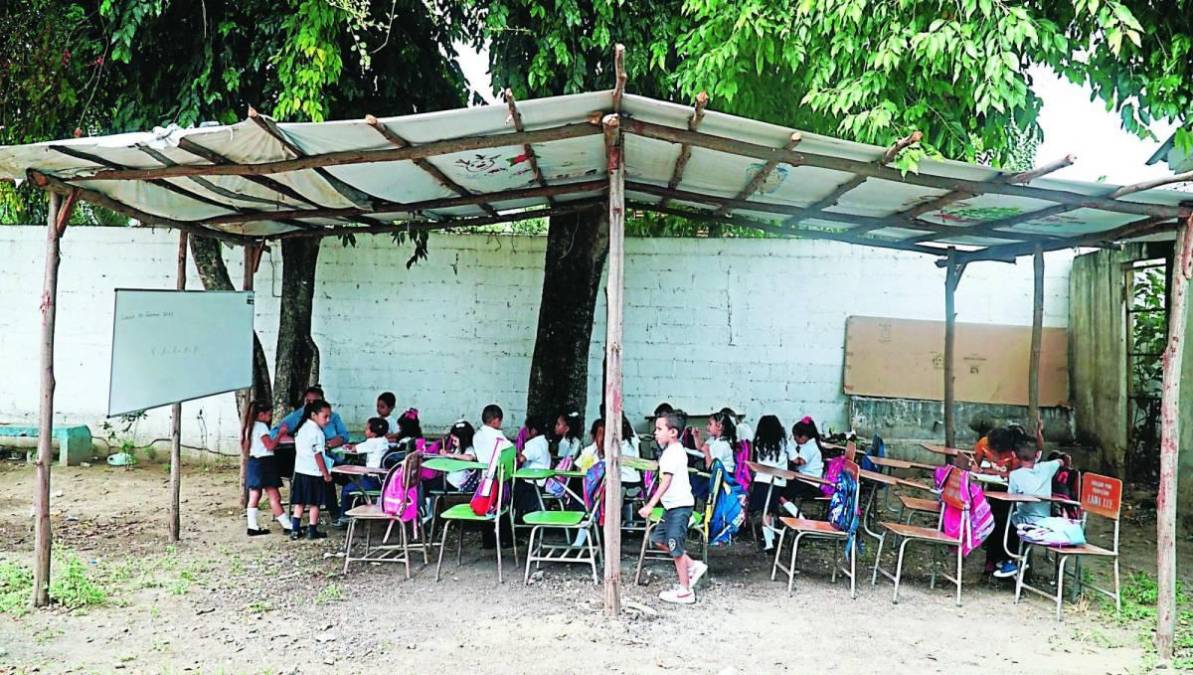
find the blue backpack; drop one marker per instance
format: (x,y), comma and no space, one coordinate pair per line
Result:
(843,510)
(728,514)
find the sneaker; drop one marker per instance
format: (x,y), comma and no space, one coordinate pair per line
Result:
(678,596)
(295,533)
(1006,570)
(696,573)
(256,533)
(312,533)
(341,523)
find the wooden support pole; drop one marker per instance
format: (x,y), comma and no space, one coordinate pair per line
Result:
(1037,336)
(252,257)
(42,536)
(175,518)
(1170,436)
(952,278)
(613,400)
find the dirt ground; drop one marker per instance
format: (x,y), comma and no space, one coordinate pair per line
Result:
(222,602)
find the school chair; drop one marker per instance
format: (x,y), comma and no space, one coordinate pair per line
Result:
(462,514)
(953,495)
(1103,497)
(374,512)
(570,522)
(909,507)
(697,524)
(848,495)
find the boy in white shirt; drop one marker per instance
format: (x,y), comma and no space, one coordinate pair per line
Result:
(487,440)
(386,404)
(1032,478)
(674,492)
(535,454)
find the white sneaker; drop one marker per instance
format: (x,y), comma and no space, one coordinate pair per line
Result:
(696,572)
(678,596)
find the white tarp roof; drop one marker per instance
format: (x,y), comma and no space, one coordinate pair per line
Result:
(382,189)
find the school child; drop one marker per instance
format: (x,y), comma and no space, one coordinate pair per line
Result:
(262,473)
(311,476)
(386,403)
(593,452)
(569,427)
(994,453)
(808,460)
(374,447)
(405,441)
(743,430)
(631,479)
(489,439)
(457,445)
(674,492)
(721,442)
(535,454)
(771,448)
(1030,477)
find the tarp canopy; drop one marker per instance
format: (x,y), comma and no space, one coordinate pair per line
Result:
(262,179)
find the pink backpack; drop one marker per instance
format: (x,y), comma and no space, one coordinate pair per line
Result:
(741,472)
(981,519)
(556,486)
(832,472)
(399,494)
(422,447)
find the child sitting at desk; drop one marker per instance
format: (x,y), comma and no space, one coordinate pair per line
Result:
(1032,478)
(772,449)
(569,427)
(535,454)
(373,448)
(457,445)
(808,459)
(721,443)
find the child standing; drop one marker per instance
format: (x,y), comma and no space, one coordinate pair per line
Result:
(311,475)
(262,472)
(569,427)
(772,449)
(373,449)
(674,492)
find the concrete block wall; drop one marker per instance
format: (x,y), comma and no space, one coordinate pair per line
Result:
(755,324)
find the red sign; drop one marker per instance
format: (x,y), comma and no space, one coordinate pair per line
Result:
(1101,495)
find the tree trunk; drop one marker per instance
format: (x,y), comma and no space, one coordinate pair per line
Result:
(42,536)
(209,260)
(577,245)
(297,356)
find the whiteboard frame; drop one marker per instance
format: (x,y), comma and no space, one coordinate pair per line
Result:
(252,300)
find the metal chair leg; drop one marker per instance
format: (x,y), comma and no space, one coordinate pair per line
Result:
(774,570)
(1118,594)
(530,552)
(348,544)
(405,545)
(642,554)
(592,554)
(853,568)
(959,560)
(442,545)
(1024,554)
(899,569)
(794,556)
(877,559)
(1060,586)
(497,529)
(459,544)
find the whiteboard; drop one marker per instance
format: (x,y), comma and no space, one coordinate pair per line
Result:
(174,346)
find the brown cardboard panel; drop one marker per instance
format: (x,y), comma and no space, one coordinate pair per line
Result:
(904,358)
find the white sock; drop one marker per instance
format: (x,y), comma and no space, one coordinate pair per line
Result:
(251,513)
(768,535)
(581,538)
(790,508)
(285,521)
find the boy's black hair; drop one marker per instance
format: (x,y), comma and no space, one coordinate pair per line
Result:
(675,420)
(388,398)
(313,389)
(598,423)
(260,407)
(999,440)
(662,409)
(534,423)
(769,438)
(1025,452)
(492,412)
(379,426)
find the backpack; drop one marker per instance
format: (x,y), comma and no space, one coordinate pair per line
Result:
(981,518)
(594,491)
(1053,532)
(1065,484)
(399,494)
(728,514)
(484,500)
(877,449)
(832,474)
(741,473)
(844,512)
(556,486)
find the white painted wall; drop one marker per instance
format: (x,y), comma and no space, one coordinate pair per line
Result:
(756,324)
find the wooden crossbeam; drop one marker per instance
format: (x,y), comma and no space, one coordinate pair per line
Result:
(420,207)
(1136,228)
(620,77)
(347,157)
(527,149)
(214,157)
(685,150)
(761,175)
(425,164)
(54,184)
(844,164)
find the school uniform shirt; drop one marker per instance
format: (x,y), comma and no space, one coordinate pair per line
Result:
(309,442)
(1035,481)
(813,462)
(392,421)
(373,449)
(256,447)
(486,440)
(568,447)
(536,453)
(457,478)
(782,461)
(719,448)
(674,461)
(335,426)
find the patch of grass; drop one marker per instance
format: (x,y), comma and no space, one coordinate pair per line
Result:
(16,587)
(329,593)
(73,587)
(258,607)
(1140,594)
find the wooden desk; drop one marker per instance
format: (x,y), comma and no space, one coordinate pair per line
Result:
(945,450)
(890,463)
(1013,498)
(451,464)
(358,470)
